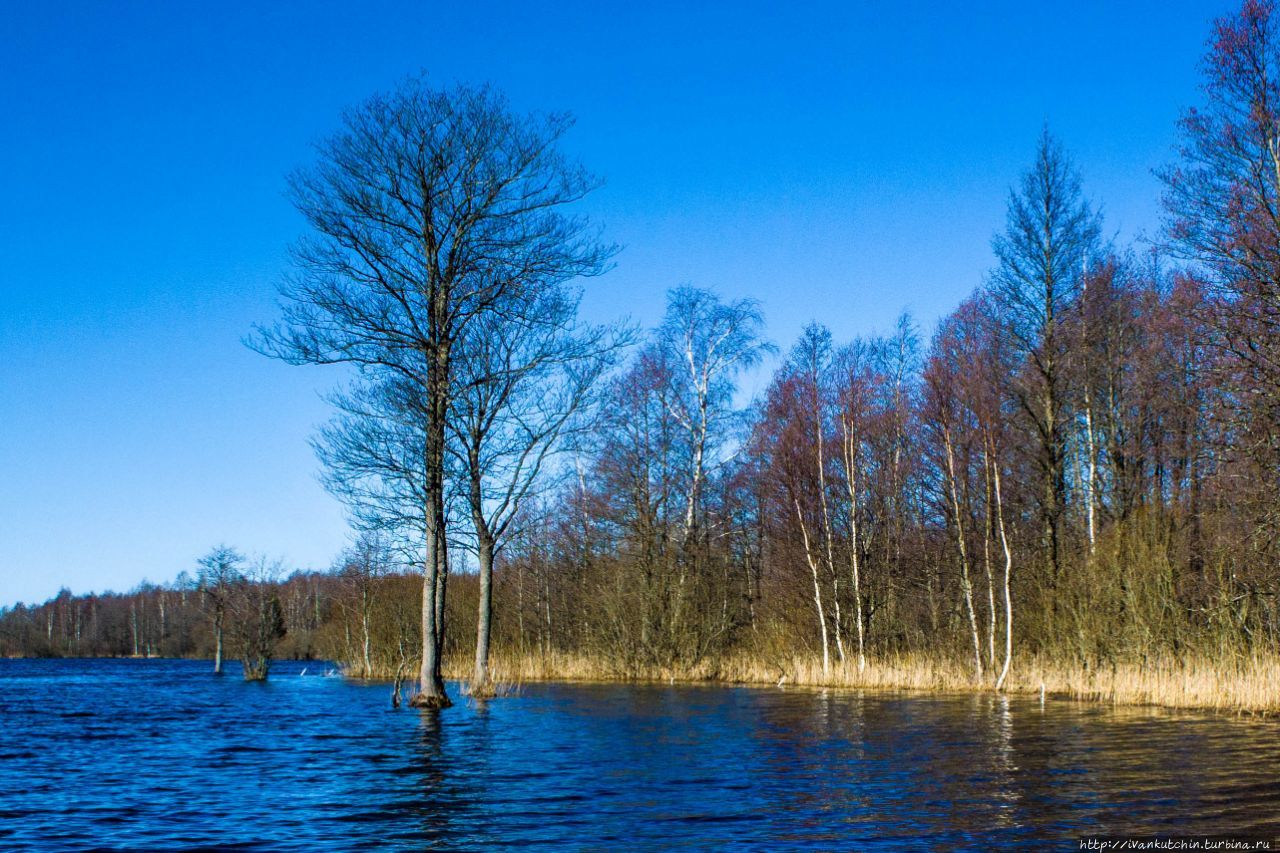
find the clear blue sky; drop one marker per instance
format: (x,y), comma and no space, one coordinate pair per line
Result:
(841,161)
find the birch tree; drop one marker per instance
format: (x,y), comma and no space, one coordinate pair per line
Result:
(855,412)
(945,416)
(707,344)
(703,345)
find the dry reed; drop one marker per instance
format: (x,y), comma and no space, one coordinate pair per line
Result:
(1250,684)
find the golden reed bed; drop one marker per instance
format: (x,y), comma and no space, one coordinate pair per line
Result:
(1243,685)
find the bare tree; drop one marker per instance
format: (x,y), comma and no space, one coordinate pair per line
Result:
(220,570)
(1223,198)
(428,208)
(706,344)
(946,418)
(702,347)
(810,364)
(524,374)
(785,439)
(896,358)
(1049,229)
(256,617)
(360,567)
(657,482)
(856,413)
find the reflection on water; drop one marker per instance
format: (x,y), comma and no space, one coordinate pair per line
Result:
(148,754)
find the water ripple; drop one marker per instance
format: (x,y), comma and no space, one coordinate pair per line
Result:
(163,755)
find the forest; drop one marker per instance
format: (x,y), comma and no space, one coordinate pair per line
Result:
(1071,483)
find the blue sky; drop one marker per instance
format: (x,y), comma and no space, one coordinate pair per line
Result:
(838,161)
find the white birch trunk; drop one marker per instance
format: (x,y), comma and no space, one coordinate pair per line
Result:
(965,583)
(817,593)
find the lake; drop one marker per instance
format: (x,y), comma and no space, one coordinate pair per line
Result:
(160,754)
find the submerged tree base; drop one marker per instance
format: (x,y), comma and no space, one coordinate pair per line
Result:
(427,700)
(482,689)
(255,670)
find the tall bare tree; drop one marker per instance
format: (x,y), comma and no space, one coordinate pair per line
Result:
(428,208)
(1049,228)
(525,376)
(947,421)
(703,346)
(854,387)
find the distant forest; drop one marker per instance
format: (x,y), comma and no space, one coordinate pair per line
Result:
(1081,462)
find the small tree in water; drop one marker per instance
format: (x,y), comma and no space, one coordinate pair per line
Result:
(220,570)
(257,620)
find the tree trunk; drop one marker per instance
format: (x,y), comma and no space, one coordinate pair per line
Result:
(1008,568)
(817,593)
(364,626)
(431,692)
(826,530)
(217,646)
(480,681)
(1091,452)
(1091,472)
(987,527)
(966,583)
(851,476)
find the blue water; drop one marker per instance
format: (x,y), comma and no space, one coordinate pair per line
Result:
(162,755)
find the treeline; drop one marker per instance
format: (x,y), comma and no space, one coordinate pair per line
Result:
(178,619)
(1087,496)
(1081,463)
(237,608)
